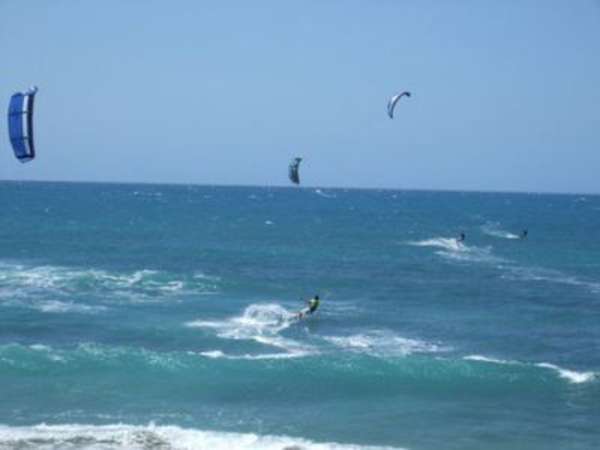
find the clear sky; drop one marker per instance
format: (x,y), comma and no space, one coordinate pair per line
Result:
(506,94)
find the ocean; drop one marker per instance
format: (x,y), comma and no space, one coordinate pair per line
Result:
(163,317)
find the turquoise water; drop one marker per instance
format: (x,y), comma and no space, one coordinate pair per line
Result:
(158,317)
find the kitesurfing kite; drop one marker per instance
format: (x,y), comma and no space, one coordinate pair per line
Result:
(20,124)
(293,170)
(392,103)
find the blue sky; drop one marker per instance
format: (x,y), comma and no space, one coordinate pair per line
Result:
(506,95)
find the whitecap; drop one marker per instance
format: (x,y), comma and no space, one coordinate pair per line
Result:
(48,352)
(172,286)
(383,343)
(320,193)
(452,248)
(488,359)
(55,306)
(213,354)
(451,244)
(122,436)
(217,354)
(98,352)
(31,283)
(520,273)
(494,229)
(570,375)
(40,347)
(260,323)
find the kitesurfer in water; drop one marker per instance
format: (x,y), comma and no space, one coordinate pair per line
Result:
(462,237)
(524,233)
(313,304)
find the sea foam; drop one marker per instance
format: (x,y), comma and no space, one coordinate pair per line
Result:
(260,323)
(382,343)
(453,249)
(571,376)
(519,273)
(30,286)
(494,229)
(121,436)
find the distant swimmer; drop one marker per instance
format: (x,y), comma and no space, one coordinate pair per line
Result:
(462,237)
(524,233)
(313,304)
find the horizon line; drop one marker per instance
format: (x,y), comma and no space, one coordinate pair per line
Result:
(285,186)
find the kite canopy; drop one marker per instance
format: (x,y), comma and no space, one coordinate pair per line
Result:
(20,124)
(392,103)
(293,170)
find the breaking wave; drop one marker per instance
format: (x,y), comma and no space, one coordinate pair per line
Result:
(494,229)
(518,273)
(150,437)
(449,244)
(451,248)
(30,286)
(261,323)
(571,376)
(320,193)
(383,343)
(217,354)
(38,356)
(55,306)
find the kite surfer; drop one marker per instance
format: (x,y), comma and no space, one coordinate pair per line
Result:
(293,170)
(313,305)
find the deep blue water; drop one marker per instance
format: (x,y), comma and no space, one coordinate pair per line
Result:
(156,316)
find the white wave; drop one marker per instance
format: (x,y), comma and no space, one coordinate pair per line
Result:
(48,352)
(268,222)
(99,352)
(203,276)
(488,359)
(570,375)
(261,323)
(451,248)
(40,347)
(55,306)
(256,320)
(147,194)
(120,436)
(214,354)
(341,308)
(20,300)
(172,286)
(33,282)
(520,273)
(480,255)
(383,343)
(451,244)
(320,193)
(494,229)
(218,354)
